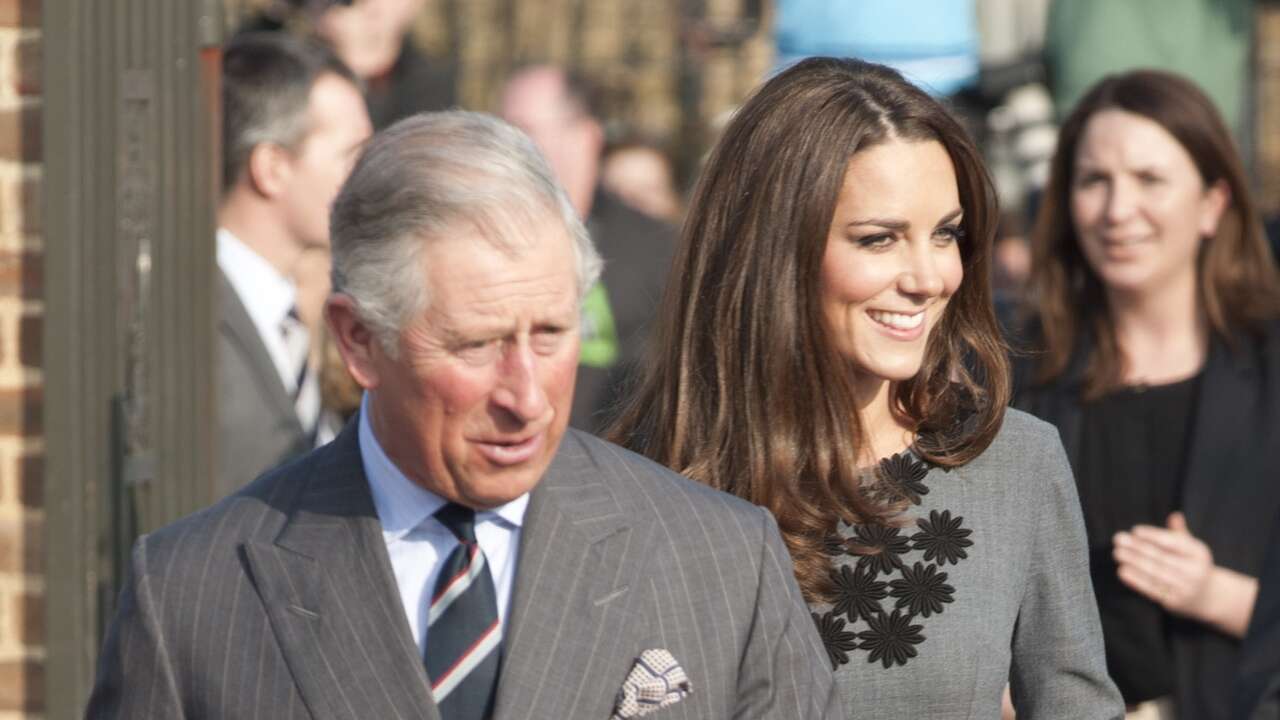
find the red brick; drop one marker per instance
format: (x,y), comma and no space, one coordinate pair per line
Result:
(30,340)
(21,411)
(22,274)
(31,480)
(27,67)
(22,685)
(21,546)
(20,132)
(26,614)
(20,13)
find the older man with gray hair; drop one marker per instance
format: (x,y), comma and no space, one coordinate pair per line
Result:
(458,552)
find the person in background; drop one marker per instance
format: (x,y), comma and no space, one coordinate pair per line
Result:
(1155,350)
(641,174)
(374,38)
(827,349)
(293,120)
(557,110)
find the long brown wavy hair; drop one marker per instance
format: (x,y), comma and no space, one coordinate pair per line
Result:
(1238,285)
(745,389)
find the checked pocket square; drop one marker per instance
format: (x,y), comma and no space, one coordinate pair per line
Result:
(655,681)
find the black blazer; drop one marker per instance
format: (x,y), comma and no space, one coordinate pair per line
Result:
(1231,493)
(1258,686)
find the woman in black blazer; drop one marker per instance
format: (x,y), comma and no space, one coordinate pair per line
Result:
(1155,349)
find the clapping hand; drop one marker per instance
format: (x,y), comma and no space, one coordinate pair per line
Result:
(1174,568)
(1168,565)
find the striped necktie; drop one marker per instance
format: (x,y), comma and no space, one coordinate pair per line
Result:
(464,637)
(306,388)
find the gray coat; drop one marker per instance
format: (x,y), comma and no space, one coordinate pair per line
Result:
(279,602)
(258,427)
(1015,606)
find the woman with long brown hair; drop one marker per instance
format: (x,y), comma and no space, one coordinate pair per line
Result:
(827,349)
(1157,339)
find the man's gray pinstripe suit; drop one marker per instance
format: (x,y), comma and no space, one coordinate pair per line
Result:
(279,602)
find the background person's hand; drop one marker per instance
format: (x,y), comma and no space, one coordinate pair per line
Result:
(1168,565)
(1174,568)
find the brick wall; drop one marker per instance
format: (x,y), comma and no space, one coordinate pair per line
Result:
(21,328)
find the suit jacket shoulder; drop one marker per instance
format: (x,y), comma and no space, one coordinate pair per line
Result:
(257,425)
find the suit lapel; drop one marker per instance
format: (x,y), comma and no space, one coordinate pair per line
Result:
(333,602)
(579,566)
(243,334)
(1228,404)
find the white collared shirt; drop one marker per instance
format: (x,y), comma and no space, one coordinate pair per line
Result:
(418,544)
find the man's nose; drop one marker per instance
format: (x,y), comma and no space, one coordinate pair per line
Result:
(518,391)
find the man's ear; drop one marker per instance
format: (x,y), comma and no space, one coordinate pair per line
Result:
(356,341)
(1216,200)
(269,169)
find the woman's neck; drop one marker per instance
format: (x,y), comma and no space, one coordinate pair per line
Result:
(883,432)
(1162,334)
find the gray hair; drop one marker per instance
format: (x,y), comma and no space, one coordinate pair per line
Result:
(420,178)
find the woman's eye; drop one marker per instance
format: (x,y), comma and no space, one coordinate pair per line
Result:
(949,234)
(875,241)
(1088,179)
(1149,178)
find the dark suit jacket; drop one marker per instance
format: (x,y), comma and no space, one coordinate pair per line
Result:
(258,427)
(1231,491)
(279,602)
(1257,694)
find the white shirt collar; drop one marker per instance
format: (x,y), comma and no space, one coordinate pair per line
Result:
(265,293)
(402,504)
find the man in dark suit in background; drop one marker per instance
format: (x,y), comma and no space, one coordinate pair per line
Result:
(293,119)
(457,553)
(557,110)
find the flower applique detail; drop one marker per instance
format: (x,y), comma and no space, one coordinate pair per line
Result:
(922,590)
(884,596)
(904,475)
(885,548)
(942,537)
(891,639)
(858,593)
(835,638)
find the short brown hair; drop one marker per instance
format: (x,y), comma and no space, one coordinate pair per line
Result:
(745,391)
(1238,285)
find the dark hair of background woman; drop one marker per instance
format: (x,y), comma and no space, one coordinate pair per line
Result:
(744,390)
(1238,284)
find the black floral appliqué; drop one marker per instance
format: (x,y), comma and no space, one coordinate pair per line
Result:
(835,638)
(916,583)
(942,537)
(905,476)
(858,593)
(885,548)
(922,590)
(834,545)
(891,639)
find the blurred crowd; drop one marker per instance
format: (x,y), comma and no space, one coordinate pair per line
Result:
(1131,268)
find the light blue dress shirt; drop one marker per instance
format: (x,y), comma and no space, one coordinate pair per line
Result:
(418,544)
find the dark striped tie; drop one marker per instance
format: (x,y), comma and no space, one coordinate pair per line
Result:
(464,637)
